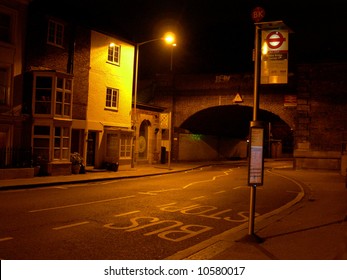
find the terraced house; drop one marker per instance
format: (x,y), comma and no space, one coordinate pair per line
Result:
(68,89)
(78,94)
(13,15)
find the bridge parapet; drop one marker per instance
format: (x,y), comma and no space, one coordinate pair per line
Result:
(313,105)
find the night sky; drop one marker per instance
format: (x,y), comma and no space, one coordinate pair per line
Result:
(213,36)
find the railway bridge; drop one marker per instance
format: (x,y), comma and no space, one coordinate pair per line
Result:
(306,118)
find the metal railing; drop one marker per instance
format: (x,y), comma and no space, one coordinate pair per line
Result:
(16,157)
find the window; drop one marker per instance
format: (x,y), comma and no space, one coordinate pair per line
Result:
(125,147)
(43,94)
(53,91)
(112,98)
(63,97)
(55,33)
(41,141)
(113,54)
(5,28)
(4,88)
(61,143)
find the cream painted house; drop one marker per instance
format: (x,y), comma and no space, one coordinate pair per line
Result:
(108,121)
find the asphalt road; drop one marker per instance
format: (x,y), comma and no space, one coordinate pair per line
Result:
(141,218)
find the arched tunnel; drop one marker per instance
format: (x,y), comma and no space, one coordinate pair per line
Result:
(233,121)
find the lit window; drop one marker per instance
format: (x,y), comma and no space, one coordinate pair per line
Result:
(61,143)
(55,33)
(113,54)
(125,147)
(112,98)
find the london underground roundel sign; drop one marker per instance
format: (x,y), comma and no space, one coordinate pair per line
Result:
(275,39)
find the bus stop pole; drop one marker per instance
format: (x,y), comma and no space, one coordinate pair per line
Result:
(255,116)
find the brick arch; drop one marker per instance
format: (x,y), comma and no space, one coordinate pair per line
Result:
(229,120)
(189,106)
(188,94)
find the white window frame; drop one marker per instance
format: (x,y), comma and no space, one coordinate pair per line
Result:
(46,99)
(63,88)
(61,149)
(55,33)
(113,55)
(125,146)
(36,149)
(112,98)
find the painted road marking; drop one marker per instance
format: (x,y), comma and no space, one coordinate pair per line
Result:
(155,192)
(198,197)
(127,213)
(170,230)
(206,211)
(71,225)
(241,187)
(81,204)
(225,173)
(160,191)
(6,239)
(219,192)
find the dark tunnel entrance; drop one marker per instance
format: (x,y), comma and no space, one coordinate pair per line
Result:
(232,122)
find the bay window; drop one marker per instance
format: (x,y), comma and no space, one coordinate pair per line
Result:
(52,94)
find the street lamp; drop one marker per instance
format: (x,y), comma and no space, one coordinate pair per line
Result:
(171,58)
(169,39)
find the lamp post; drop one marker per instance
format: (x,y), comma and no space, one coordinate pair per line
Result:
(169,38)
(171,57)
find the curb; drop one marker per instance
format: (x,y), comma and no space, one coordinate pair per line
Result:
(211,247)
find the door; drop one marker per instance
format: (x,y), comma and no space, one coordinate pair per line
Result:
(91,141)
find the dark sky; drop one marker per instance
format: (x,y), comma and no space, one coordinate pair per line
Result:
(212,35)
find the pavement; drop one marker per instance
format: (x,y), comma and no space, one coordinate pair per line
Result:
(312,227)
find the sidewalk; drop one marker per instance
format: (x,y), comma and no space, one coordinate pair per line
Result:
(97,175)
(315,228)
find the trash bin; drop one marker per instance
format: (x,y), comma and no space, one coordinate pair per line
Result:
(163,155)
(111,166)
(114,166)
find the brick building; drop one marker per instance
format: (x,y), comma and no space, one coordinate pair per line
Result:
(78,94)
(13,15)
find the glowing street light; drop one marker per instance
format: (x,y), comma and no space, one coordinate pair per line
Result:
(169,38)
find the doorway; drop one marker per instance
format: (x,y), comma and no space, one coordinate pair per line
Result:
(90,161)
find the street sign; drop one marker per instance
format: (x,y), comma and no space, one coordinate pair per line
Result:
(274,57)
(275,39)
(258,14)
(256,155)
(238,98)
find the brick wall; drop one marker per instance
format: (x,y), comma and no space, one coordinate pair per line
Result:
(319,119)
